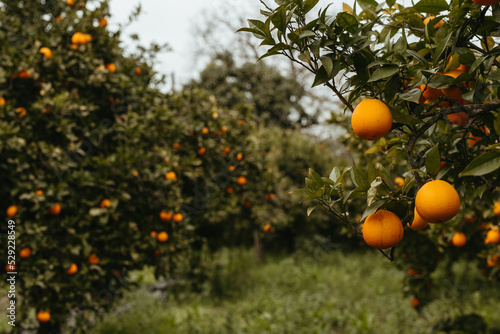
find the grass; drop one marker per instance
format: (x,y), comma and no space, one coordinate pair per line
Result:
(304,293)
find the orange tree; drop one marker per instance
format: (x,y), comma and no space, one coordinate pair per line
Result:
(421,83)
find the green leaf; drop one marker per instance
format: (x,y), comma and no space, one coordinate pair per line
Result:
(399,117)
(401,45)
(321,77)
(476,64)
(372,208)
(365,4)
(316,177)
(417,56)
(440,48)
(431,6)
(372,192)
(433,160)
(383,72)
(280,20)
(334,175)
(300,192)
(413,95)
(327,63)
(309,4)
(311,208)
(483,164)
(347,21)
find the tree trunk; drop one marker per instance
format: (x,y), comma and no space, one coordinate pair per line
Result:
(259,249)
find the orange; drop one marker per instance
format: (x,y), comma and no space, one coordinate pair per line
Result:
(437,201)
(267,228)
(152,234)
(162,236)
(415,302)
(412,272)
(492,261)
(11,211)
(459,239)
(70,2)
(165,216)
(2,101)
(271,196)
(248,204)
(72,269)
(103,22)
(24,74)
(496,209)
(469,219)
(442,165)
(105,203)
(93,259)
(241,180)
(171,176)
(474,139)
(55,209)
(418,223)
(226,150)
(177,145)
(43,316)
(453,93)
(215,115)
(231,168)
(240,122)
(462,67)
(73,46)
(239,156)
(25,252)
(229,190)
(371,119)
(429,93)
(21,111)
(201,150)
(430,18)
(486,2)
(492,237)
(79,38)
(399,181)
(111,67)
(11,268)
(382,229)
(59,18)
(178,217)
(458,118)
(223,130)
(204,130)
(47,53)
(39,192)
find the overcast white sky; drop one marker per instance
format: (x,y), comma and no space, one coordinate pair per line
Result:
(173,21)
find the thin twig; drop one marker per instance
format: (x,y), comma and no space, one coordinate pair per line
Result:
(339,95)
(262,2)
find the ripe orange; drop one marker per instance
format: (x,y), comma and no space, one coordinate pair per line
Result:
(458,118)
(382,229)
(231,168)
(171,176)
(24,74)
(429,93)
(486,2)
(412,272)
(271,196)
(215,114)
(492,261)
(25,252)
(226,150)
(442,165)
(79,38)
(418,223)
(204,130)
(162,236)
(430,18)
(415,302)
(240,122)
(39,192)
(165,216)
(70,2)
(492,237)
(459,239)
(21,111)
(47,53)
(437,201)
(469,219)
(2,101)
(105,203)
(152,234)
(223,129)
(241,180)
(239,156)
(248,204)
(72,269)
(43,316)
(103,22)
(111,67)
(9,268)
(496,209)
(462,67)
(11,211)
(474,139)
(93,259)
(201,150)
(229,190)
(453,93)
(138,70)
(371,119)
(178,217)
(55,209)
(267,228)
(399,181)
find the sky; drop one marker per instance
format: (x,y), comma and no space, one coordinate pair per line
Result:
(173,22)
